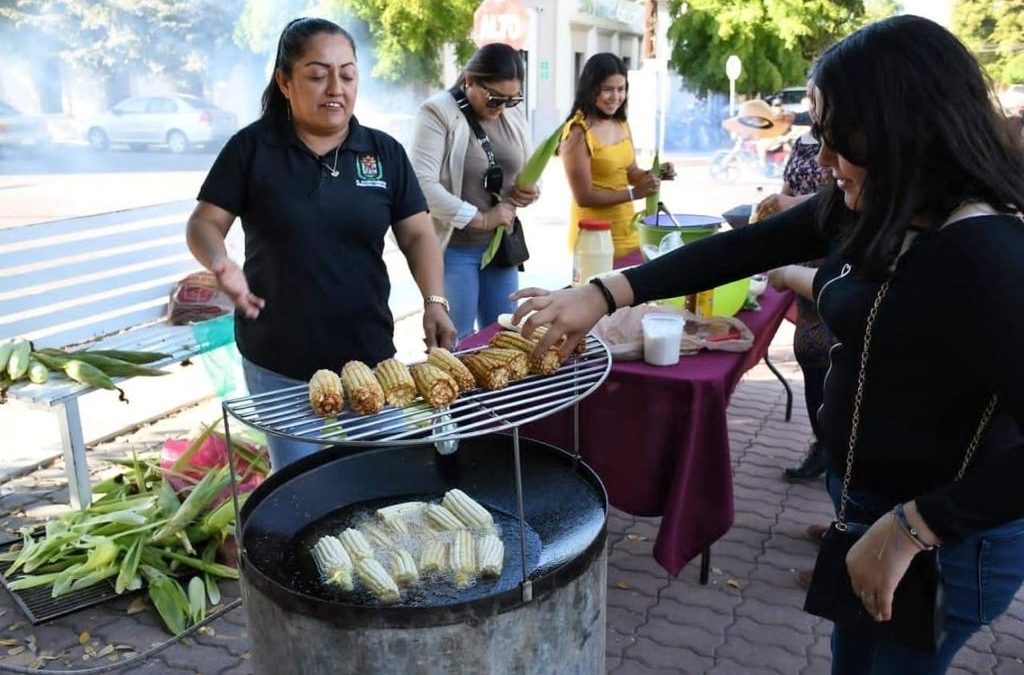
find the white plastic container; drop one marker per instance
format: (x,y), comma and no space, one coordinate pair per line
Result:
(663,337)
(594,253)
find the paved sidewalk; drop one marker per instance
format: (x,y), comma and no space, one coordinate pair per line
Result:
(746,621)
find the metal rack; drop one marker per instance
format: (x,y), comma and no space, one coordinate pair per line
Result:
(286,413)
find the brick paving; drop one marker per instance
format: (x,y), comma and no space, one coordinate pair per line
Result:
(746,621)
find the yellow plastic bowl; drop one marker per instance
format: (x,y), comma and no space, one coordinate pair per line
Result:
(729,298)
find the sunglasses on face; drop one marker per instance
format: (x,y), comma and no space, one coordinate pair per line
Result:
(496,101)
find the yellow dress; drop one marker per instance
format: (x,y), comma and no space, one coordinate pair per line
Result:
(608,167)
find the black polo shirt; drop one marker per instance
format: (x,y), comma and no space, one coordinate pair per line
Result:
(314,243)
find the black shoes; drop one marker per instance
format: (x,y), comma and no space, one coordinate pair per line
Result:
(812,467)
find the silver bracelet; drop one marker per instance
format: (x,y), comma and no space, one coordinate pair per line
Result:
(910,530)
(629,189)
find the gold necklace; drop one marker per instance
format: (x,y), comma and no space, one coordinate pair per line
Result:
(333,169)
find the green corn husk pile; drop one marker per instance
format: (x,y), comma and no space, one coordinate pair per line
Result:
(20,361)
(528,177)
(138,530)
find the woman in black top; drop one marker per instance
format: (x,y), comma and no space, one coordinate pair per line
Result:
(316,192)
(927,196)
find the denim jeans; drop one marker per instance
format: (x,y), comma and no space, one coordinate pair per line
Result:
(982,574)
(476,294)
(283,451)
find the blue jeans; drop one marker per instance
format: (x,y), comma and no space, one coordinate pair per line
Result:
(982,574)
(476,294)
(283,451)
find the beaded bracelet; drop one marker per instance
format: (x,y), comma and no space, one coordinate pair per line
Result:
(910,530)
(608,297)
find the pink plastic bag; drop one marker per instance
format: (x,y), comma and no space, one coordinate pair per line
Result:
(211,454)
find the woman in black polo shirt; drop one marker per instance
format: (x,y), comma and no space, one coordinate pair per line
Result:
(316,192)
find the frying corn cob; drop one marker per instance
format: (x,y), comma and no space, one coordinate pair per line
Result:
(377,536)
(403,568)
(490,555)
(398,526)
(326,395)
(355,544)
(463,559)
(539,332)
(441,519)
(439,357)
(364,393)
(333,561)
(514,360)
(468,510)
(394,378)
(377,580)
(546,365)
(434,557)
(489,372)
(401,510)
(436,386)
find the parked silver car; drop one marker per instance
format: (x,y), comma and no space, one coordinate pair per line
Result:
(19,131)
(178,121)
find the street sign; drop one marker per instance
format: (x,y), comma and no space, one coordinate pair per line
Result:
(501,21)
(733,68)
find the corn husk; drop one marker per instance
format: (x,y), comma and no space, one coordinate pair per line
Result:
(651,204)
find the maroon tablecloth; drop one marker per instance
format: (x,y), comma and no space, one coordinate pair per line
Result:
(657,436)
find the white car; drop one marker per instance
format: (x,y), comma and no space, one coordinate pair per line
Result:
(177,121)
(21,132)
(1012,99)
(794,99)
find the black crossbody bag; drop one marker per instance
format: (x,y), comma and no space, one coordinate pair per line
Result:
(512,251)
(919,603)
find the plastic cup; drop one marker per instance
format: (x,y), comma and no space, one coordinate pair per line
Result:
(663,336)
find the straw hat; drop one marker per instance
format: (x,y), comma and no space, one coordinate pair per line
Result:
(756,119)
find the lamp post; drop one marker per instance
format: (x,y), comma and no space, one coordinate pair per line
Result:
(733,68)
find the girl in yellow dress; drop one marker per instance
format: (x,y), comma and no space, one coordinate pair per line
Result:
(597,152)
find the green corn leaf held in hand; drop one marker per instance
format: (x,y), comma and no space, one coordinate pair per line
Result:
(651,205)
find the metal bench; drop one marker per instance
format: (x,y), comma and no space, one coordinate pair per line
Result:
(102,280)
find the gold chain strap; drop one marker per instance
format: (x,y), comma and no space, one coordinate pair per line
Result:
(858,399)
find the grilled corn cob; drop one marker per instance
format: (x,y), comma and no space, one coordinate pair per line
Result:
(377,536)
(514,360)
(463,559)
(394,378)
(355,544)
(546,365)
(436,386)
(489,372)
(441,519)
(333,561)
(580,347)
(490,555)
(439,357)
(364,393)
(377,580)
(403,568)
(326,395)
(468,510)
(434,557)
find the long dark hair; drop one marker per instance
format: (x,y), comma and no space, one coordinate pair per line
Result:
(599,68)
(495,62)
(290,47)
(905,99)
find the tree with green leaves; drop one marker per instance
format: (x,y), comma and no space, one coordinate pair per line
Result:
(775,39)
(994,31)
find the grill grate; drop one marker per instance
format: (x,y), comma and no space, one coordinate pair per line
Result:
(36,603)
(286,412)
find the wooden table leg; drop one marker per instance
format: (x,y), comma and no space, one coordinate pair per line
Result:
(785,384)
(705,565)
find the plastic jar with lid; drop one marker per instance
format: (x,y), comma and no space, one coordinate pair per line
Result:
(594,252)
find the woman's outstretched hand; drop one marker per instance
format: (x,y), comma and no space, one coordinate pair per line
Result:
(232,281)
(569,313)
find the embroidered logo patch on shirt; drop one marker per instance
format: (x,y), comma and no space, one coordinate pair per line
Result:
(370,172)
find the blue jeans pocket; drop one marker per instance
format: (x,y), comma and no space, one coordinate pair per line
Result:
(1000,570)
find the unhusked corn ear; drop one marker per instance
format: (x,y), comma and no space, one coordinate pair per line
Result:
(403,567)
(326,394)
(468,510)
(489,372)
(377,580)
(580,347)
(364,393)
(514,360)
(333,561)
(355,543)
(18,361)
(434,557)
(441,519)
(547,364)
(490,555)
(377,536)
(439,357)
(394,378)
(437,387)
(37,372)
(463,558)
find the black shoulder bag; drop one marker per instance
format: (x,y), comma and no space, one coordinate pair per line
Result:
(512,251)
(919,605)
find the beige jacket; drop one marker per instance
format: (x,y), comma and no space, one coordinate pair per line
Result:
(440,138)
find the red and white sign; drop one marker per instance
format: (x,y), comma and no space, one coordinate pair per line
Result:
(501,21)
